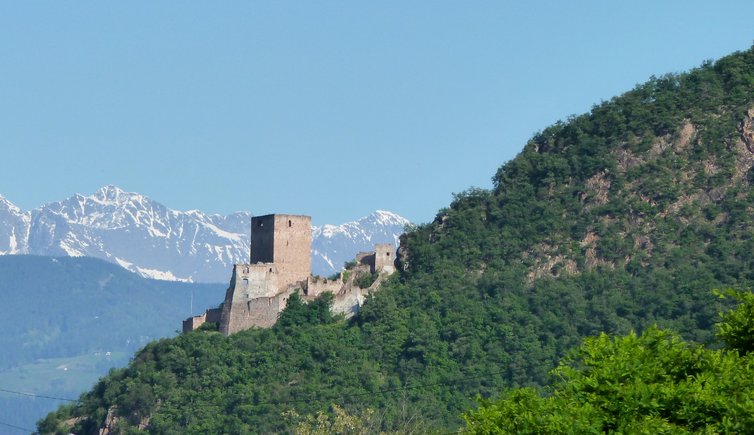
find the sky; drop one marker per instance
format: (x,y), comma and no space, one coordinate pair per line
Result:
(328,108)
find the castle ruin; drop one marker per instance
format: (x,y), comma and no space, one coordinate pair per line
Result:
(280,265)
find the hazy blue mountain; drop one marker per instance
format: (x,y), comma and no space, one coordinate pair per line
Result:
(66,321)
(148,238)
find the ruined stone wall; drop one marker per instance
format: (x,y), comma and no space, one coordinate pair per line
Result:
(366,259)
(249,283)
(316,285)
(195,322)
(348,301)
(211,315)
(285,240)
(281,265)
(255,280)
(261,312)
(384,258)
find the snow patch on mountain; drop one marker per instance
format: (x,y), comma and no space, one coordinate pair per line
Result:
(14,228)
(333,245)
(147,238)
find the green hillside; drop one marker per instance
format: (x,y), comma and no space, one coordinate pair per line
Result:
(66,321)
(612,221)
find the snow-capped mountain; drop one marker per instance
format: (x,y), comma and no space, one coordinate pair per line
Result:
(141,235)
(14,229)
(334,245)
(154,241)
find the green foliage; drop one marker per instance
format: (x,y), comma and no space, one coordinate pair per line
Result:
(210,326)
(653,383)
(736,329)
(613,221)
(365,280)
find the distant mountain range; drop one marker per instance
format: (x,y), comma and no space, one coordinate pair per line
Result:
(148,238)
(67,321)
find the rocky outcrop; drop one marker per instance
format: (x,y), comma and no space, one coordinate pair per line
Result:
(747,130)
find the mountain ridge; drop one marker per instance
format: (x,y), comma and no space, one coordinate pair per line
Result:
(154,241)
(612,221)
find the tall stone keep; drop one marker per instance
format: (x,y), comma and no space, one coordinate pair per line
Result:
(286,241)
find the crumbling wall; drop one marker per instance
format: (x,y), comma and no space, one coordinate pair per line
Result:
(384,258)
(281,265)
(260,312)
(194,322)
(316,285)
(365,259)
(255,280)
(211,315)
(249,282)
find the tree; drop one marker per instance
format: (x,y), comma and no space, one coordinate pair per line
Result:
(736,329)
(653,383)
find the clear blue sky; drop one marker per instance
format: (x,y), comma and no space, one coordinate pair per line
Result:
(331,109)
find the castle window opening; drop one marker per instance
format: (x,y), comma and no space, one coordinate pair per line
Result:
(246,281)
(270,269)
(245,270)
(290,223)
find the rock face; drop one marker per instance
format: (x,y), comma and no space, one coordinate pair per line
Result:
(747,130)
(154,241)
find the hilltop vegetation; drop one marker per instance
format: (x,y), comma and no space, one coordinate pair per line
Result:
(612,221)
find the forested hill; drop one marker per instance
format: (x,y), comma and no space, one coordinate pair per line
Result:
(614,220)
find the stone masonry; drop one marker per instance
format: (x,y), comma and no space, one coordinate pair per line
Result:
(281,265)
(286,241)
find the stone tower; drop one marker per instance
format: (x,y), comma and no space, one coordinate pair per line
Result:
(286,241)
(384,258)
(280,258)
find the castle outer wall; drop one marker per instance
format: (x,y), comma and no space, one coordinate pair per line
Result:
(280,266)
